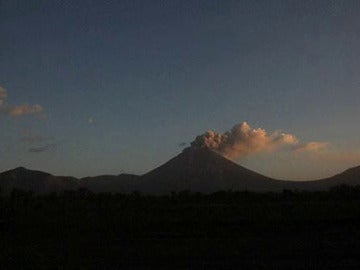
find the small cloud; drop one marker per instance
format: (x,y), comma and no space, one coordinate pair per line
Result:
(311,147)
(3,93)
(42,149)
(17,110)
(90,120)
(20,110)
(36,143)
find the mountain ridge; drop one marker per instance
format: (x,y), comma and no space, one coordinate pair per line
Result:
(195,169)
(35,181)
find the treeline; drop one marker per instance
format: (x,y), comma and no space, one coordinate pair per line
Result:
(336,192)
(184,230)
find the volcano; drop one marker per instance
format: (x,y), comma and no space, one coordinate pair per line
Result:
(203,170)
(195,169)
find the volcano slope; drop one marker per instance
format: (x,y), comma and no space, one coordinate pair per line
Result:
(203,170)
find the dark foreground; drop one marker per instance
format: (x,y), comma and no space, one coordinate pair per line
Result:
(225,230)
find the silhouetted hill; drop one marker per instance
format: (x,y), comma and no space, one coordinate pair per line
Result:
(203,170)
(36,181)
(349,177)
(197,170)
(110,183)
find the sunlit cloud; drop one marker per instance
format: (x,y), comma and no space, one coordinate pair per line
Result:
(20,110)
(337,157)
(242,140)
(324,153)
(17,110)
(3,94)
(311,147)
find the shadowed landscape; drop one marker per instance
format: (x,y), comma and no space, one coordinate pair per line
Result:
(197,211)
(182,230)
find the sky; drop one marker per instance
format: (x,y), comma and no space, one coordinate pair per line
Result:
(105,87)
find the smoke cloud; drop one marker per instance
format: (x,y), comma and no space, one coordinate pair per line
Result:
(311,147)
(242,140)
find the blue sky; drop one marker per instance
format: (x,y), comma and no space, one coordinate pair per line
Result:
(120,84)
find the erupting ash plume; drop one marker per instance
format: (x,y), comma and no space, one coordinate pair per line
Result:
(242,140)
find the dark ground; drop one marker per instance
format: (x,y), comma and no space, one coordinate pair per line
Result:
(225,230)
